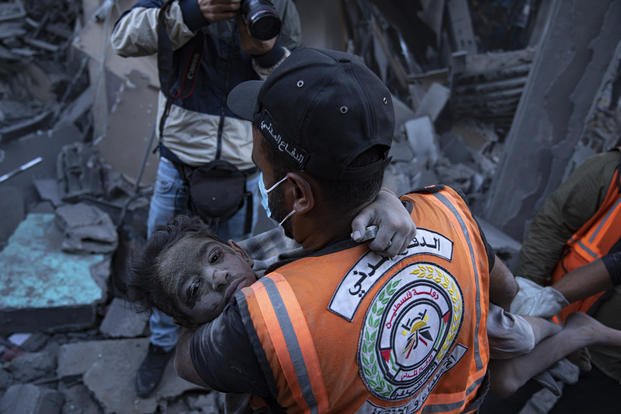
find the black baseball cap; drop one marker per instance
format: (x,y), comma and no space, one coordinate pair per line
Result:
(320,109)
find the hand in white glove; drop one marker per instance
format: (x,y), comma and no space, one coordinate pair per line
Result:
(535,300)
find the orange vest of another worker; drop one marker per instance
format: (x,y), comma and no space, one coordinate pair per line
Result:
(352,332)
(592,241)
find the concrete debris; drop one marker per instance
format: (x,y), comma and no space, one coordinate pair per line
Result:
(108,369)
(457,77)
(29,342)
(552,113)
(5,379)
(461,26)
(43,288)
(421,138)
(30,399)
(490,85)
(18,338)
(403,113)
(31,366)
(87,229)
(122,320)
(47,188)
(12,10)
(433,102)
(78,400)
(34,63)
(79,172)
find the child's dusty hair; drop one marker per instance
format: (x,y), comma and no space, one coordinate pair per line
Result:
(145,287)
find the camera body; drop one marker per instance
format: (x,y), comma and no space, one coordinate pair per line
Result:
(262,18)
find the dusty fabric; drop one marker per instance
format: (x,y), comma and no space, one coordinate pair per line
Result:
(553,380)
(509,335)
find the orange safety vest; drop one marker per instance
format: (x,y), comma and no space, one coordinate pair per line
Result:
(592,241)
(350,331)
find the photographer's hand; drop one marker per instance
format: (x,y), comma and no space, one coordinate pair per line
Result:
(216,10)
(251,45)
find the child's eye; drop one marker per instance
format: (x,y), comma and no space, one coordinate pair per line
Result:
(191,294)
(215,255)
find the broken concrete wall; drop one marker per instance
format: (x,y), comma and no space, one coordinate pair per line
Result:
(123,88)
(574,55)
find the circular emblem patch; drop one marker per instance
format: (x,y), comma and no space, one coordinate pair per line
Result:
(410,325)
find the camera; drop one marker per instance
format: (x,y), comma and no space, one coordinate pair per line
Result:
(262,18)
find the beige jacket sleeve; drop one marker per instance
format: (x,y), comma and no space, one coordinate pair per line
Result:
(135,33)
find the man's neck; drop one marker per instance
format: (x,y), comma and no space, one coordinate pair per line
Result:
(325,230)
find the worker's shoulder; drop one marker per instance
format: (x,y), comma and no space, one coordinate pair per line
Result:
(600,165)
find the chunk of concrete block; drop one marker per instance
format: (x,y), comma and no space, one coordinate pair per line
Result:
(122,320)
(41,287)
(109,368)
(87,229)
(48,190)
(403,113)
(400,151)
(78,400)
(422,139)
(5,379)
(433,102)
(31,366)
(30,399)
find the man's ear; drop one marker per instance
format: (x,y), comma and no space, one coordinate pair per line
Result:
(302,191)
(238,250)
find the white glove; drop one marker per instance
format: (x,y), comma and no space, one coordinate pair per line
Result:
(535,300)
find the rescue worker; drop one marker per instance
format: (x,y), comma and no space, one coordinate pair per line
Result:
(339,328)
(579,223)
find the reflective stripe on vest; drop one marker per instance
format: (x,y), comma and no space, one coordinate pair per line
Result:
(447,408)
(592,241)
(462,225)
(292,341)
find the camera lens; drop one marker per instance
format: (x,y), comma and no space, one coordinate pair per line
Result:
(262,19)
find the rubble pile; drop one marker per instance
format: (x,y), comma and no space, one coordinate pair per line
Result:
(39,73)
(458,70)
(467,83)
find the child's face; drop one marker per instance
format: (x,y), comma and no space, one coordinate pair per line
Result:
(203,275)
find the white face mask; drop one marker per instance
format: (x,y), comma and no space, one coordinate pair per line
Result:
(264,198)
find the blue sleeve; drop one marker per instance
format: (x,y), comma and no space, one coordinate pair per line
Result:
(192,15)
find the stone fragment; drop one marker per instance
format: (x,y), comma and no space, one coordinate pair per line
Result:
(87,229)
(433,102)
(421,137)
(31,366)
(108,369)
(30,399)
(78,400)
(5,379)
(122,320)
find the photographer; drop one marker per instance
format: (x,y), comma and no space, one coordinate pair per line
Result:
(205,48)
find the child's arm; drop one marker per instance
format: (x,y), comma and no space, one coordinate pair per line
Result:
(183,360)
